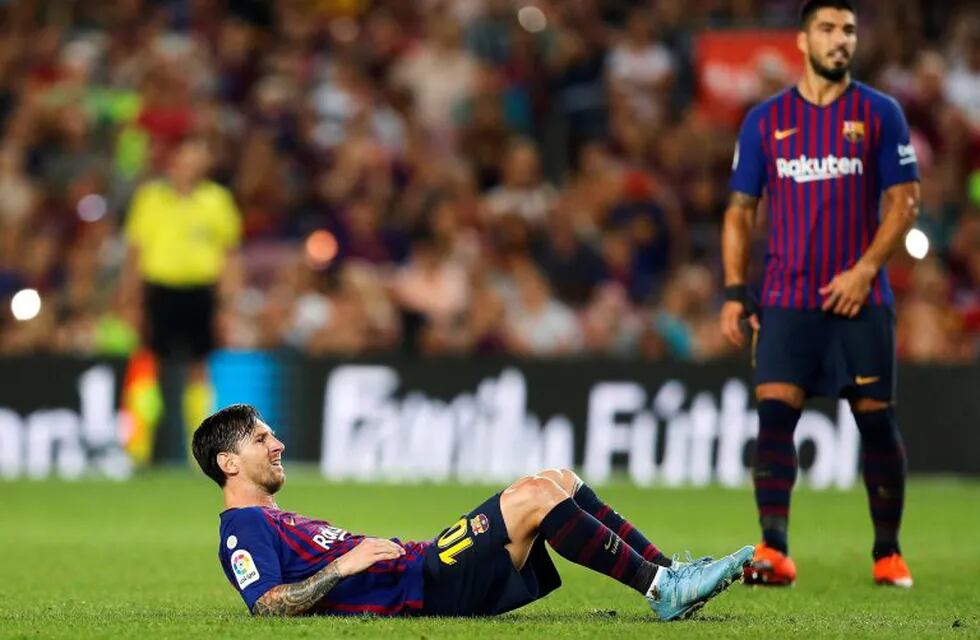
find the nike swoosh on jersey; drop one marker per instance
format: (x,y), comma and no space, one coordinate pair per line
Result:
(783,134)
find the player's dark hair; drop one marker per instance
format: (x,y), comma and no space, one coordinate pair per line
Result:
(812,6)
(221,432)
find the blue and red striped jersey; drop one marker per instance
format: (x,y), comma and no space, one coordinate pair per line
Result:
(262,548)
(824,169)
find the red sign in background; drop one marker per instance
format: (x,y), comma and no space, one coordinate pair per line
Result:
(732,67)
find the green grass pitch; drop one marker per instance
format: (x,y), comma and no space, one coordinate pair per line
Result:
(96,559)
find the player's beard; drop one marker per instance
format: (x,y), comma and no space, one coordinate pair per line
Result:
(273,480)
(833,74)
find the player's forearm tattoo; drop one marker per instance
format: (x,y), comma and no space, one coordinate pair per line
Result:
(739,199)
(298,598)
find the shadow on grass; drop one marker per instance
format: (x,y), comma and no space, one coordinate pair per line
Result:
(609,616)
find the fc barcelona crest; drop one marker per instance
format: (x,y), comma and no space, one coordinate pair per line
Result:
(853,131)
(479,524)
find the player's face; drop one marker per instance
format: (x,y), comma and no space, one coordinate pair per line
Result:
(190,162)
(829,43)
(260,458)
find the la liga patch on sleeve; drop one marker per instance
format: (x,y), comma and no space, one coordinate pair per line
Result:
(244,568)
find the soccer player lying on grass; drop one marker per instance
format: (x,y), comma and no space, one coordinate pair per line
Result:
(490,561)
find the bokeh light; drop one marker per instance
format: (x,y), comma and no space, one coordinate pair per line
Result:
(532,19)
(917,244)
(26,304)
(321,249)
(92,208)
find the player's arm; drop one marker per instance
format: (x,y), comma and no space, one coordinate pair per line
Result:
(901,208)
(748,177)
(298,598)
(849,290)
(135,231)
(736,239)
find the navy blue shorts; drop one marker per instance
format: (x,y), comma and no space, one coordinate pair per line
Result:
(826,354)
(180,321)
(468,572)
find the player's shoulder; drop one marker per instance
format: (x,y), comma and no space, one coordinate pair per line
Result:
(213,189)
(246,517)
(880,101)
(764,107)
(153,186)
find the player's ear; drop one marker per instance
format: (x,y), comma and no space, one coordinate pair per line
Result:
(801,42)
(228,462)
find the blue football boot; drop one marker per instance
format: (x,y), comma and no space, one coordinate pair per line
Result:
(680,590)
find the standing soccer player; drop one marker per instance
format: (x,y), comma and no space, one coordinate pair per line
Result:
(828,151)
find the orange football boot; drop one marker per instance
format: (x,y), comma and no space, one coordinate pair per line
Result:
(892,570)
(770,567)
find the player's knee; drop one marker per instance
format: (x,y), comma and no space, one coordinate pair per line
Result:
(570,481)
(564,478)
(539,495)
(518,486)
(787,393)
(876,423)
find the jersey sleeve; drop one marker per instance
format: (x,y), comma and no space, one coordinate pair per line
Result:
(250,555)
(896,155)
(749,163)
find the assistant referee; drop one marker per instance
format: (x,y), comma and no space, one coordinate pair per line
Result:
(181,231)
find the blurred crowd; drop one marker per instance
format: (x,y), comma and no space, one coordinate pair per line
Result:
(531,177)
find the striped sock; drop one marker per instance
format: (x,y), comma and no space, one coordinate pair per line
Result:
(883,460)
(586,498)
(774,471)
(580,538)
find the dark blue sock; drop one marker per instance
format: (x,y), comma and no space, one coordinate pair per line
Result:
(774,471)
(884,467)
(586,498)
(580,538)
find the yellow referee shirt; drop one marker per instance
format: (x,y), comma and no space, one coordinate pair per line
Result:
(182,239)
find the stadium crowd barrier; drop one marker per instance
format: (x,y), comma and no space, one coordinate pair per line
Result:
(654,423)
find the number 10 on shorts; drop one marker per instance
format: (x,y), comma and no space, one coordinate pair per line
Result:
(453,542)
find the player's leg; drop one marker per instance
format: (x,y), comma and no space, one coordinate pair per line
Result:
(586,498)
(870,347)
(773,477)
(774,471)
(788,357)
(883,463)
(197,399)
(539,505)
(521,505)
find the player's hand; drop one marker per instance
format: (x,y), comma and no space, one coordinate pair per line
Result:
(848,291)
(369,551)
(731,314)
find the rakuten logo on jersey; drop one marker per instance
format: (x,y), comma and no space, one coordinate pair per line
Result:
(328,536)
(804,169)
